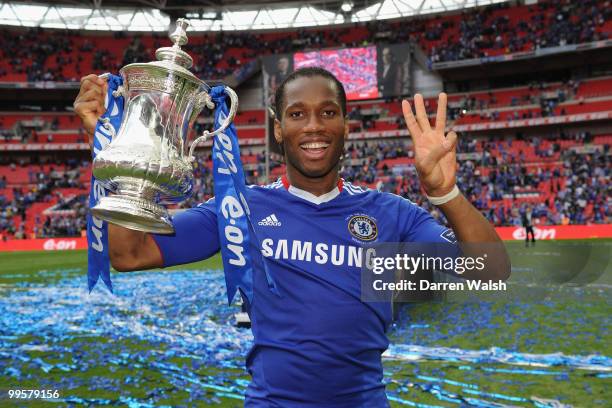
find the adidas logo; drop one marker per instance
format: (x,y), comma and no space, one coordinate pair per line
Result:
(270,221)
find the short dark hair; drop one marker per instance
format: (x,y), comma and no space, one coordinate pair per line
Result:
(308,72)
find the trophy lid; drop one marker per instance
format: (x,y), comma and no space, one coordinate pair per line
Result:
(172,59)
(175,53)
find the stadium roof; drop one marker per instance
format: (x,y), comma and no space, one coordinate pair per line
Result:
(215,15)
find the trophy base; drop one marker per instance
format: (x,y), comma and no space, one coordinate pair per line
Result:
(134,213)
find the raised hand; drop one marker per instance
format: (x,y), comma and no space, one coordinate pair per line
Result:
(89,103)
(434,152)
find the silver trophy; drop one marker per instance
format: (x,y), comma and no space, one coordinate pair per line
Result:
(146,165)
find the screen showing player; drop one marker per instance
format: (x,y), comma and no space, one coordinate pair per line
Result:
(354,67)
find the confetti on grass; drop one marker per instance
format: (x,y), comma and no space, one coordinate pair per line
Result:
(168,339)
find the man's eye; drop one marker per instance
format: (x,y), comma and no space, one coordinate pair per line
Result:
(296,114)
(329,113)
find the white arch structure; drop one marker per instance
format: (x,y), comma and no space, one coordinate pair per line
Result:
(288,15)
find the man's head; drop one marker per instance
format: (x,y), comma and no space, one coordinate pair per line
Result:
(387,56)
(311,121)
(283,64)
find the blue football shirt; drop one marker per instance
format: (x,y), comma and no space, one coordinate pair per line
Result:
(317,344)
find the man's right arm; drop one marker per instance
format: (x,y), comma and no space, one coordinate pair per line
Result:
(131,250)
(195,238)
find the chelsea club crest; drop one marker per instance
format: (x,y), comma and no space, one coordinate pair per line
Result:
(363,227)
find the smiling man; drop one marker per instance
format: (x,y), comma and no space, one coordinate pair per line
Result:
(316,344)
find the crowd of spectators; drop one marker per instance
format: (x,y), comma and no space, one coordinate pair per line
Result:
(361,160)
(574,190)
(542,95)
(68,219)
(68,215)
(551,23)
(554,23)
(29,131)
(42,187)
(203,176)
(25,53)
(546,96)
(203,182)
(560,198)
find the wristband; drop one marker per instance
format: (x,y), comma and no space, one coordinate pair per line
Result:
(445,198)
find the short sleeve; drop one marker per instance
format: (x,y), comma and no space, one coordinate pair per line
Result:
(195,236)
(419,226)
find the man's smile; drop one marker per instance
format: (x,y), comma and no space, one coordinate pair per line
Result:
(314,150)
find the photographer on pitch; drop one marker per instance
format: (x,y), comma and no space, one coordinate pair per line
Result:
(316,344)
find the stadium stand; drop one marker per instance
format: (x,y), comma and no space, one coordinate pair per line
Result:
(564,175)
(36,54)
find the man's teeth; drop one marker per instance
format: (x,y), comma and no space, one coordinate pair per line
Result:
(317,145)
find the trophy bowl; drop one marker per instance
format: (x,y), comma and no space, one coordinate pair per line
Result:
(146,164)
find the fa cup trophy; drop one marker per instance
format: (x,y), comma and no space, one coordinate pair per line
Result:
(146,164)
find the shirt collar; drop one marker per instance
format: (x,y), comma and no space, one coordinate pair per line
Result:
(305,195)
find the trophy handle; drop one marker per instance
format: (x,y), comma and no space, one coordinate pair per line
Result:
(226,123)
(194,144)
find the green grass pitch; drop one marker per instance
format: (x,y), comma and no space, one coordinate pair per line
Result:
(558,302)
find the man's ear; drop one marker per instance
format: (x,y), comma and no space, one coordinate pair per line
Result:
(278,134)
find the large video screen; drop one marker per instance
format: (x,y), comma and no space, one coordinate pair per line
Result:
(381,71)
(354,67)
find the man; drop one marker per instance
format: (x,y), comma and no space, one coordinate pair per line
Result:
(527,220)
(282,70)
(390,75)
(316,344)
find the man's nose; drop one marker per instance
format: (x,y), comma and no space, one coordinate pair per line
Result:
(314,123)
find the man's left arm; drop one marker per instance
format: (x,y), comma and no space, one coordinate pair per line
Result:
(436,164)
(468,224)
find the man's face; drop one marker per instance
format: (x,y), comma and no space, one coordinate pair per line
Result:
(283,64)
(387,56)
(312,128)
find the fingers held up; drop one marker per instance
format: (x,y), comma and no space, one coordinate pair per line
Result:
(441,114)
(421,113)
(419,124)
(411,122)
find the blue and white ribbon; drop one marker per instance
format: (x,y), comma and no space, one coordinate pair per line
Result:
(98,264)
(234,224)
(233,215)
